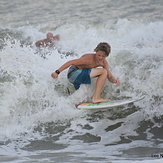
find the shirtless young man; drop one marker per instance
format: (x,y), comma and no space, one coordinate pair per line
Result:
(49,41)
(85,68)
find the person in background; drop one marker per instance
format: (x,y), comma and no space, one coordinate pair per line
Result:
(49,41)
(89,66)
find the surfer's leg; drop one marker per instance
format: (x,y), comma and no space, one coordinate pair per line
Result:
(101,75)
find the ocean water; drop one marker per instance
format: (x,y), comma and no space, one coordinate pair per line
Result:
(38,119)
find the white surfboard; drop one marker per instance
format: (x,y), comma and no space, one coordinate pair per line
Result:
(107,104)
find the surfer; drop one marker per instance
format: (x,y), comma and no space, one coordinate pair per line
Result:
(49,41)
(83,69)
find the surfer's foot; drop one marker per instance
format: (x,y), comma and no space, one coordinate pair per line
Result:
(99,100)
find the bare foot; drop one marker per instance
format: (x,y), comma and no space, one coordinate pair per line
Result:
(99,100)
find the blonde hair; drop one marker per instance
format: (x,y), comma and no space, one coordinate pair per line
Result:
(103,46)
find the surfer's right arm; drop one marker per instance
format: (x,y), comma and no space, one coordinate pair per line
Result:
(76,62)
(65,66)
(58,71)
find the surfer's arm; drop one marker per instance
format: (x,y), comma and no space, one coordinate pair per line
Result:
(110,77)
(39,43)
(65,66)
(42,43)
(58,71)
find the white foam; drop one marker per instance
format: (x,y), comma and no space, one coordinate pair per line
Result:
(30,96)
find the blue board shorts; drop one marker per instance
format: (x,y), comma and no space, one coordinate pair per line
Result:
(78,76)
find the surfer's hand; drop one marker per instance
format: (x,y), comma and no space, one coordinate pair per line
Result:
(118,82)
(54,75)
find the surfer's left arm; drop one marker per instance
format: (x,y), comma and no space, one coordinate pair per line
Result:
(110,77)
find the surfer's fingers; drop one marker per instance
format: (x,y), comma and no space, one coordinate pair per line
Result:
(54,75)
(118,82)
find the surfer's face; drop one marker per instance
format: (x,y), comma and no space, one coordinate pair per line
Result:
(100,55)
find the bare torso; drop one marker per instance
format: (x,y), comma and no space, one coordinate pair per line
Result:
(89,61)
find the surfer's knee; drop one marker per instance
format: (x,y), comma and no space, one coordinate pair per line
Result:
(104,72)
(96,72)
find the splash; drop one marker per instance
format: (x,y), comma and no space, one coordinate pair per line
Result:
(30,97)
